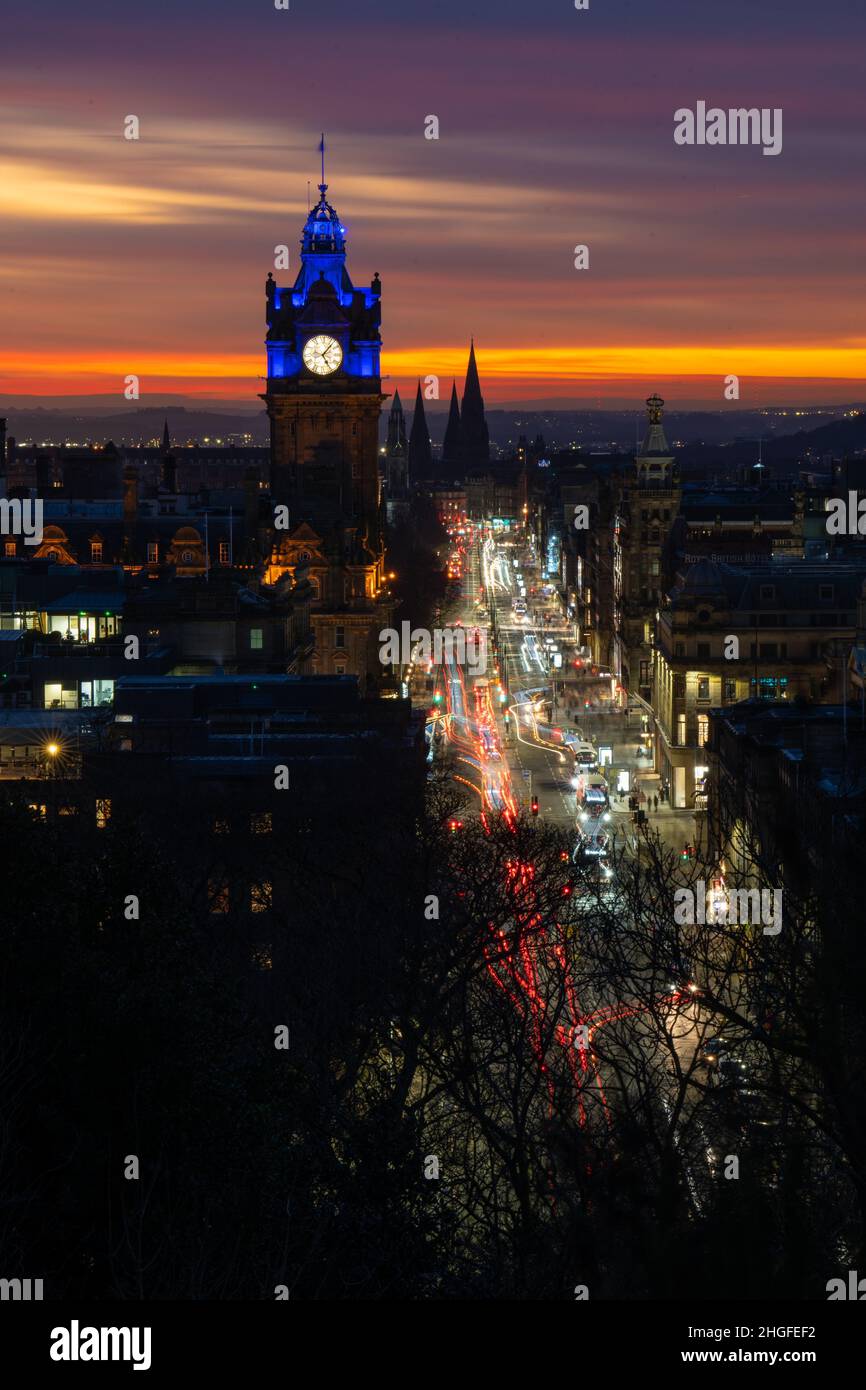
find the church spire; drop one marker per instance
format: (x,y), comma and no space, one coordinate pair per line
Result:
(396,428)
(420,453)
(451,450)
(475,437)
(166,438)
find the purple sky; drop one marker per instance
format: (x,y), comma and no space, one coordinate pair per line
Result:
(556,129)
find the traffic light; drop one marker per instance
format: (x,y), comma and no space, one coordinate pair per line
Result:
(437,698)
(534,806)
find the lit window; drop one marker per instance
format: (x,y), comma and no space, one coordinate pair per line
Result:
(10,550)
(262,957)
(261,897)
(256,639)
(681,729)
(152,553)
(703,729)
(96,552)
(261,823)
(217,895)
(224,552)
(220,827)
(103,813)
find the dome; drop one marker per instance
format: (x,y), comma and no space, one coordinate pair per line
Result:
(705,577)
(322,289)
(323,230)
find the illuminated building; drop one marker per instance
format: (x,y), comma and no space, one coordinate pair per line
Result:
(788,631)
(323,398)
(650,503)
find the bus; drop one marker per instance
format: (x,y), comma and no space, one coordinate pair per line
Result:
(585,757)
(594,795)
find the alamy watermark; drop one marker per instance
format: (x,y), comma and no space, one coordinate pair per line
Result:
(738,125)
(452,645)
(731,906)
(22,518)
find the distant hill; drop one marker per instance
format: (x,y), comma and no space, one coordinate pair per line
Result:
(95,419)
(136,425)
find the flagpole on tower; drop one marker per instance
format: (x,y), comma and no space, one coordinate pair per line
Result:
(322,150)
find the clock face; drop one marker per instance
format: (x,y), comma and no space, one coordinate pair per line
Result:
(322,354)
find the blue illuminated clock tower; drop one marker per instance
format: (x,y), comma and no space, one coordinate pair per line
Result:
(324,388)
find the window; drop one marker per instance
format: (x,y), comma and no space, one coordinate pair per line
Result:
(256,639)
(96,694)
(261,897)
(340,669)
(825,591)
(681,729)
(703,729)
(261,823)
(220,826)
(10,550)
(703,687)
(96,552)
(679,648)
(152,553)
(305,555)
(339,636)
(768,649)
(103,813)
(767,592)
(224,552)
(703,651)
(730,691)
(679,687)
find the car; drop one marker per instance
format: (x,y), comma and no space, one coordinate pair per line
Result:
(733,1072)
(681,975)
(711,1050)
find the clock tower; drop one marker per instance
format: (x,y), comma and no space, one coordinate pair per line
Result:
(323,397)
(324,389)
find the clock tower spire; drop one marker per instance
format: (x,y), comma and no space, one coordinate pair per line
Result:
(324,388)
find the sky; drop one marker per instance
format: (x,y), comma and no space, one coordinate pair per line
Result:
(556,129)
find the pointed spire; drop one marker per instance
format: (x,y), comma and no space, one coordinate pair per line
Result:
(451,442)
(420,453)
(396,442)
(166,438)
(475,437)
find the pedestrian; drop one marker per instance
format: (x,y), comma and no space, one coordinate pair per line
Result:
(655,803)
